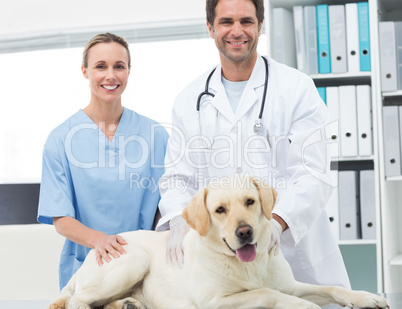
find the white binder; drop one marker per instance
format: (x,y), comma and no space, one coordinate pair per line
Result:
(398,35)
(352,37)
(310,35)
(332,129)
(300,38)
(333,205)
(348,206)
(388,56)
(391,141)
(364,120)
(284,37)
(367,204)
(337,37)
(348,121)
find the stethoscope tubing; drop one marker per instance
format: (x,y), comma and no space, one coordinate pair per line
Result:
(206,91)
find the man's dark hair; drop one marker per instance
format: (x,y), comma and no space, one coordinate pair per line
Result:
(211,14)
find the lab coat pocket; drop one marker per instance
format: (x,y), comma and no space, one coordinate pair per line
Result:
(257,153)
(318,244)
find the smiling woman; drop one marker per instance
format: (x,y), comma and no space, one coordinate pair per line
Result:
(85,189)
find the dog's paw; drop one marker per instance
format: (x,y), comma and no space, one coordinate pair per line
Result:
(59,304)
(126,303)
(367,300)
(131,304)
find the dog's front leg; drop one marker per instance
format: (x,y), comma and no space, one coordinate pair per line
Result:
(325,295)
(260,298)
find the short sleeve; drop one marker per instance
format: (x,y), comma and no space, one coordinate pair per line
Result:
(55,199)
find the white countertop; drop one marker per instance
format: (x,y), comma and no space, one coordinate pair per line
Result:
(18,304)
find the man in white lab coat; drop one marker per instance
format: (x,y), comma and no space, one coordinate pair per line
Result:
(229,132)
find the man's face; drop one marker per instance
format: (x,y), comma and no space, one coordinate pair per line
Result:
(235,30)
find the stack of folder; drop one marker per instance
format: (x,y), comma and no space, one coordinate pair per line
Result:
(391,55)
(350,128)
(351,208)
(392,127)
(328,38)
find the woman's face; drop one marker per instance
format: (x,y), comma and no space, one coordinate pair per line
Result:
(107,72)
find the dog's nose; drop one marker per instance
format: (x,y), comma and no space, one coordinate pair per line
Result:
(244,232)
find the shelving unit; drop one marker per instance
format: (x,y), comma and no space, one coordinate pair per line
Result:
(384,253)
(390,187)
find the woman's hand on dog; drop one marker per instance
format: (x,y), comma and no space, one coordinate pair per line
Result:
(108,246)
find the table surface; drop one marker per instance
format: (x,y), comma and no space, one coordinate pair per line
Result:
(394,299)
(18,304)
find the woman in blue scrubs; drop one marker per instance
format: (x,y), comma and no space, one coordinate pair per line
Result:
(101,167)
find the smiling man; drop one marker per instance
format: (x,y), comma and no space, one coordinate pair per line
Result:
(252,115)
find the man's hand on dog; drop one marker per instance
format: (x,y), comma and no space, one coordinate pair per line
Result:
(276,232)
(178,229)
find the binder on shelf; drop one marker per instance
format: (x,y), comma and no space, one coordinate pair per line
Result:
(391,141)
(348,206)
(310,35)
(367,204)
(323,43)
(400,136)
(348,121)
(284,37)
(364,120)
(333,205)
(337,37)
(332,129)
(300,39)
(322,91)
(352,38)
(398,35)
(364,36)
(388,56)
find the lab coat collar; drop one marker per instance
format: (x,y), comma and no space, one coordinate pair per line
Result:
(249,97)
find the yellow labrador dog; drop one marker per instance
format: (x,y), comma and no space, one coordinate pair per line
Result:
(226,263)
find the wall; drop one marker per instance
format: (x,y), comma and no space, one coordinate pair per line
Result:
(22,17)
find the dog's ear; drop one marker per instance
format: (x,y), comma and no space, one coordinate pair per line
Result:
(267,196)
(196,213)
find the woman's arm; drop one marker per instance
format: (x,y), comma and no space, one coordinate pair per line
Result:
(104,245)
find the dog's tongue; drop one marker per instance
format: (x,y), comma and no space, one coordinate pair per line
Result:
(247,253)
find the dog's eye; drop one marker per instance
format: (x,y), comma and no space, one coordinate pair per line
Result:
(220,210)
(249,202)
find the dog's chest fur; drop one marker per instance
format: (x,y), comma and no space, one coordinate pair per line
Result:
(236,274)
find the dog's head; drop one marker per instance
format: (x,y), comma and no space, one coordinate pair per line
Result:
(234,215)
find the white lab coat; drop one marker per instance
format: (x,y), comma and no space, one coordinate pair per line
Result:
(296,164)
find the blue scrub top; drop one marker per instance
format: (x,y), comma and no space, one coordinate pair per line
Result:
(108,186)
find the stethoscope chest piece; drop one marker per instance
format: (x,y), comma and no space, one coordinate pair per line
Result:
(257,126)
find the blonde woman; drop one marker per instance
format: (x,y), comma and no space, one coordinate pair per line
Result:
(101,167)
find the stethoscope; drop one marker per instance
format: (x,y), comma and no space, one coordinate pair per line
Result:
(258,123)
